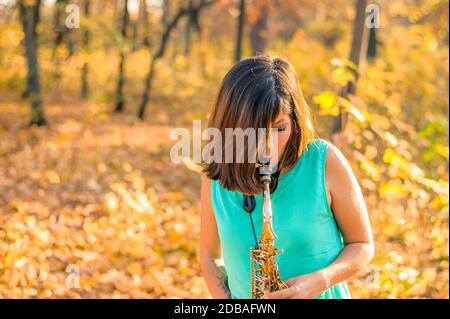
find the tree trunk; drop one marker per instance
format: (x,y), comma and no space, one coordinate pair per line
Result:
(134,35)
(357,56)
(165,11)
(29,15)
(258,30)
(192,25)
(59,35)
(143,15)
(147,90)
(156,56)
(187,32)
(36,17)
(85,69)
(120,99)
(59,27)
(161,50)
(71,47)
(240,31)
(372,47)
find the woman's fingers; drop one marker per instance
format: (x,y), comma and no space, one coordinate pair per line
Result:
(290,281)
(284,293)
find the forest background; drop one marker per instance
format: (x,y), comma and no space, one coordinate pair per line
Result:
(91,205)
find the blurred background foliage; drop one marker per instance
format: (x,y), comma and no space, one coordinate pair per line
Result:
(95,186)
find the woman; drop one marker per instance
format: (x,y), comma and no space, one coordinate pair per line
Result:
(319,214)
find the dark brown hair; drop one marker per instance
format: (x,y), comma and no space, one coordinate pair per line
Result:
(252,95)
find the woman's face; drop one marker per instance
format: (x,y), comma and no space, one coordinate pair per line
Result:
(283,128)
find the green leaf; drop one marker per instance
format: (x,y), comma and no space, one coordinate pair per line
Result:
(327,102)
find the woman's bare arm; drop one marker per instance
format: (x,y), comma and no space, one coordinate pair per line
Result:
(210,245)
(350,212)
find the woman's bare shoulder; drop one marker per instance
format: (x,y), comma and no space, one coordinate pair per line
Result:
(338,170)
(205,178)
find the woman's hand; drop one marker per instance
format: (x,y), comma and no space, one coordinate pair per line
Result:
(301,287)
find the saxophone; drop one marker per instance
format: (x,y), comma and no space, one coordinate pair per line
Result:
(263,267)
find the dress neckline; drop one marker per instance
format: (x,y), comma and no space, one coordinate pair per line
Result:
(296,165)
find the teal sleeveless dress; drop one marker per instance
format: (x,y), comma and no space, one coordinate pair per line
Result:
(306,230)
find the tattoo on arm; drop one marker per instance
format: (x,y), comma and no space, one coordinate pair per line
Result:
(223,285)
(223,279)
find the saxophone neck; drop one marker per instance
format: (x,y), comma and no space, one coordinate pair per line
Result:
(267,230)
(267,205)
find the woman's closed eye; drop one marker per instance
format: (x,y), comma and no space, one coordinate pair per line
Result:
(281,128)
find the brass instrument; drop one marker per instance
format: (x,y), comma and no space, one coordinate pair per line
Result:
(263,267)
